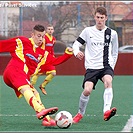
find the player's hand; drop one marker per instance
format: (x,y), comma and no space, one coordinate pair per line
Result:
(69,50)
(80,55)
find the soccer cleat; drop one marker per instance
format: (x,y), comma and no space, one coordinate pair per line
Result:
(44,112)
(48,123)
(77,118)
(43,90)
(109,113)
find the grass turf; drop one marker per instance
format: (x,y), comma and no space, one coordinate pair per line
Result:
(64,92)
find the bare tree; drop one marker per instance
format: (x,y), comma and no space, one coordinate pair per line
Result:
(65,15)
(62,19)
(60,15)
(38,13)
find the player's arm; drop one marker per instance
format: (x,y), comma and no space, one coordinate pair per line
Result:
(52,50)
(58,60)
(76,47)
(7,45)
(115,48)
(80,41)
(10,44)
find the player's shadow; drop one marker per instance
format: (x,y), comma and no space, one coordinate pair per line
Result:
(51,127)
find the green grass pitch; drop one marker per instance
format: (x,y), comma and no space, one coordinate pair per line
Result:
(64,92)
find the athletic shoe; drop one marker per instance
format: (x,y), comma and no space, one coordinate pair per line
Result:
(48,123)
(109,113)
(77,118)
(44,112)
(43,90)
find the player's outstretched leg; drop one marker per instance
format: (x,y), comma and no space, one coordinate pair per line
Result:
(35,102)
(45,112)
(109,113)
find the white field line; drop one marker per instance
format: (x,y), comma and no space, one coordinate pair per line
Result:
(129,125)
(88,115)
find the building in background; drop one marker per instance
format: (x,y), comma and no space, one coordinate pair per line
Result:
(9,18)
(17,18)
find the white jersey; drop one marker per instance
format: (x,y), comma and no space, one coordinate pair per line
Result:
(101,49)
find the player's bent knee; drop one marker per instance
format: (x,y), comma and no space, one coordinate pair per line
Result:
(87,92)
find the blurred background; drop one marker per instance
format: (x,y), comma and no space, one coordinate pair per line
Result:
(69,18)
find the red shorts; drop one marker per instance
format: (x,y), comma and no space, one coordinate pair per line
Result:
(47,69)
(15,78)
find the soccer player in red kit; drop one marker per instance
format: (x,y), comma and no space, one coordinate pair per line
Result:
(25,62)
(50,70)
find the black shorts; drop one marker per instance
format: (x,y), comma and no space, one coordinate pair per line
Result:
(94,75)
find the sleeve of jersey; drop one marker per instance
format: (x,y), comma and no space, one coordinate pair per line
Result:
(58,60)
(76,47)
(7,45)
(79,42)
(115,49)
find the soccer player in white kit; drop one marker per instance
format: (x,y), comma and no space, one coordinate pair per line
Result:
(101,53)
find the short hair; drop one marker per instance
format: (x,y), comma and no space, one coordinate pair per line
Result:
(49,25)
(101,10)
(39,28)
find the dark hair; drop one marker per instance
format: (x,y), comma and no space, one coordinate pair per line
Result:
(39,27)
(101,10)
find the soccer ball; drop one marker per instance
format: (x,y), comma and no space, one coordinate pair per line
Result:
(63,119)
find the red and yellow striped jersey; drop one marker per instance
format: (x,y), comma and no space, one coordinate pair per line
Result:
(27,57)
(49,43)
